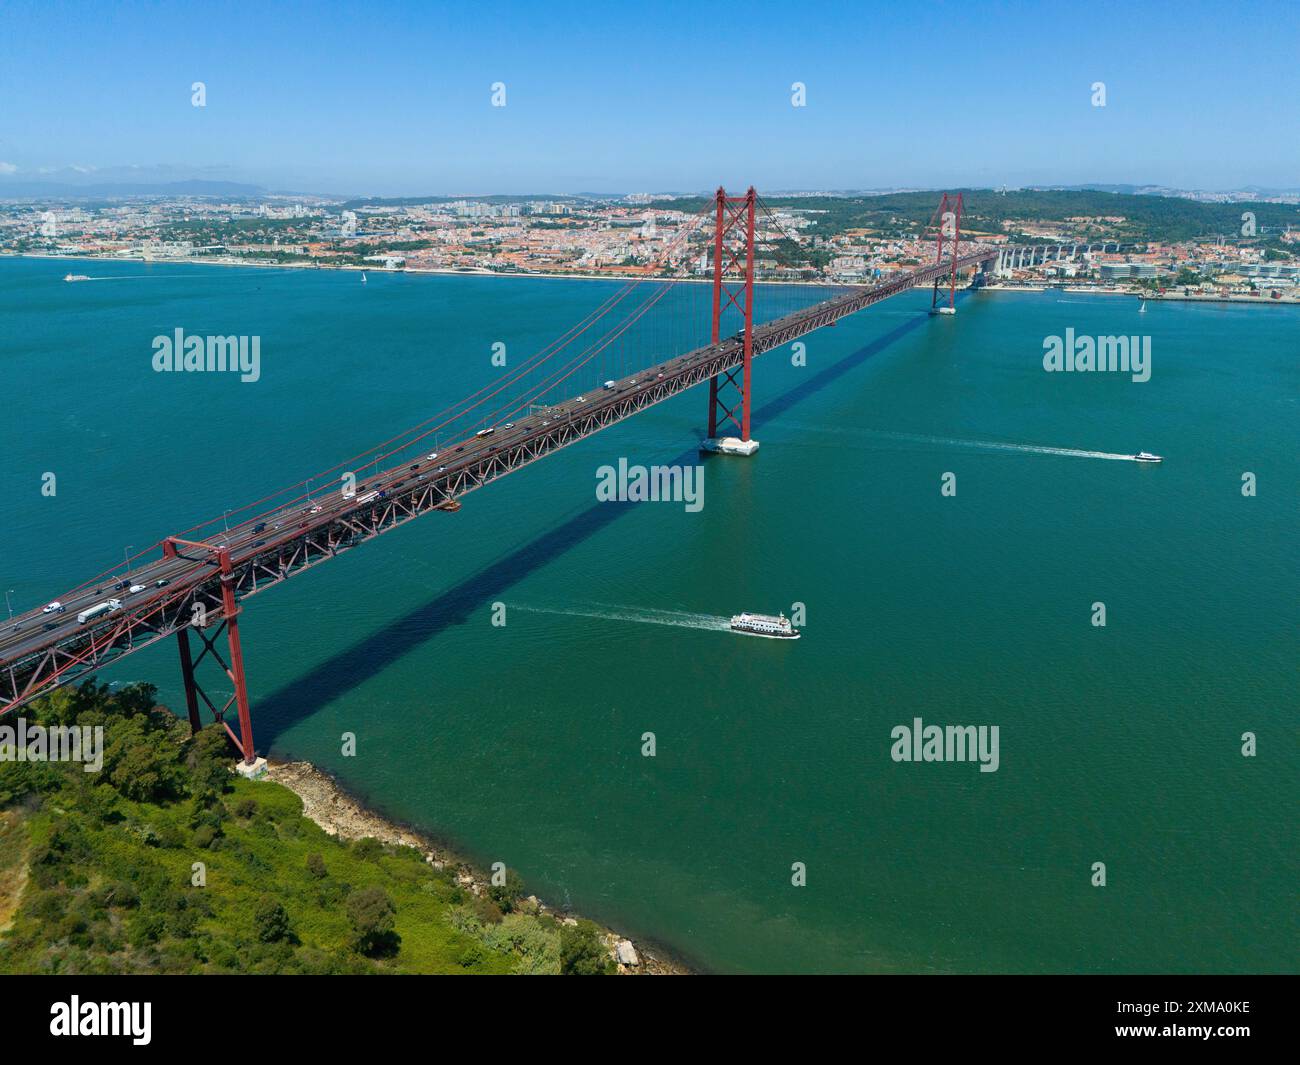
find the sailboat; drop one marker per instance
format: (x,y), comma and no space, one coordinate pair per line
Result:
(1143,308)
(363,277)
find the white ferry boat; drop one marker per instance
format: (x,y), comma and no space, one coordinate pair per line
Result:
(76,277)
(774,628)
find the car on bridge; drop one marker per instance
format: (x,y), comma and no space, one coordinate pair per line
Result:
(53,608)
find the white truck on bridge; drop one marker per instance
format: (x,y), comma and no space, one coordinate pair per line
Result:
(99,610)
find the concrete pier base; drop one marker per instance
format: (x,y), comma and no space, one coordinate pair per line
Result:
(729,445)
(255,771)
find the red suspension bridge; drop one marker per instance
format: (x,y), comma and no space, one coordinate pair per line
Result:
(193,584)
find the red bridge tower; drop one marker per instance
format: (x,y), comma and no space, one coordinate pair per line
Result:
(949,215)
(234,669)
(733,286)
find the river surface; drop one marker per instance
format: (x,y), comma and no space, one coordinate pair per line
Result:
(522,742)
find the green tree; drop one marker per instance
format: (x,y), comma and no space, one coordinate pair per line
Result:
(507,894)
(316,865)
(374,923)
(208,759)
(145,764)
(368,849)
(18,779)
(270,921)
(583,951)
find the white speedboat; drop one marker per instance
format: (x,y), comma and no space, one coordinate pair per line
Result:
(773,628)
(76,277)
(1146,456)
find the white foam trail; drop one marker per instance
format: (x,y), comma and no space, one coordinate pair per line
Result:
(680,619)
(116,277)
(983,445)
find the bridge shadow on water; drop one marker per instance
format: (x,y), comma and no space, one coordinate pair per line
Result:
(352,666)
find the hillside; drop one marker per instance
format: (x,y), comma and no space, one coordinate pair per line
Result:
(1162,218)
(166,862)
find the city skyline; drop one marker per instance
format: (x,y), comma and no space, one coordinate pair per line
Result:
(402,102)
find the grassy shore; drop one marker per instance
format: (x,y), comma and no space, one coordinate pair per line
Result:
(166,862)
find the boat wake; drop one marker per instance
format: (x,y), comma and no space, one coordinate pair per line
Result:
(979,445)
(680,619)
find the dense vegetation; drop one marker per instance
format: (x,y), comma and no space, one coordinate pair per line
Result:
(228,230)
(165,861)
(1165,218)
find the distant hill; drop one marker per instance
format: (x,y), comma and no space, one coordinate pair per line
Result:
(57,190)
(1146,217)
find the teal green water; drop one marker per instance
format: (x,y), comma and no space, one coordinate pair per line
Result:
(522,744)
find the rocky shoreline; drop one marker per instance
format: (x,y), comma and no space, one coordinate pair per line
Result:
(326,803)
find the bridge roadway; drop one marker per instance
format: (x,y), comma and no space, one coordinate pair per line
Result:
(39,652)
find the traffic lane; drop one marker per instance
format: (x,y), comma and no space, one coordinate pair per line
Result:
(242,541)
(33,636)
(23,624)
(245,535)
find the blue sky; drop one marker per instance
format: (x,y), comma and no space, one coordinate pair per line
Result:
(394,98)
